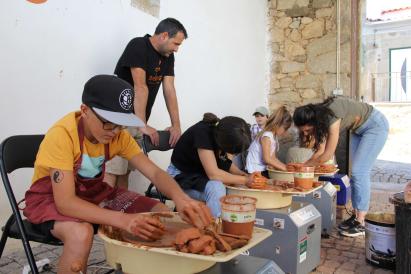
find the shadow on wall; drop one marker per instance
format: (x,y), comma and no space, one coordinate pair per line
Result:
(151,7)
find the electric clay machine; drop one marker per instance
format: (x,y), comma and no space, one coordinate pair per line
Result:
(325,200)
(295,243)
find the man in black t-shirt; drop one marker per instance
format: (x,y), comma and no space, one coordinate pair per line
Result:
(146,63)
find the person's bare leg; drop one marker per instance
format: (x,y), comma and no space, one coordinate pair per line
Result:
(78,239)
(122,180)
(110,179)
(360,216)
(117,180)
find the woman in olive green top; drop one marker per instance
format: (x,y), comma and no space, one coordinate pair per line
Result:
(369,131)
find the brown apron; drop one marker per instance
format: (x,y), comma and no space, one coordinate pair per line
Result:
(40,205)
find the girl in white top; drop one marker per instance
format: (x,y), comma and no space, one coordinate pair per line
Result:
(263,148)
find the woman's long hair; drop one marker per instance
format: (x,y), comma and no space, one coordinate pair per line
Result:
(232,134)
(280,118)
(318,116)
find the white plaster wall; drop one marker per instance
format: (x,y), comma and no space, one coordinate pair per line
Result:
(48,51)
(378,39)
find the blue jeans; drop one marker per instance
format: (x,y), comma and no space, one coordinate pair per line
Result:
(365,144)
(211,195)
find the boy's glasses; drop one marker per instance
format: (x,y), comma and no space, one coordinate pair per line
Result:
(106,124)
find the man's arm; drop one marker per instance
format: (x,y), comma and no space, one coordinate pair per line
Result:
(140,91)
(170,97)
(140,102)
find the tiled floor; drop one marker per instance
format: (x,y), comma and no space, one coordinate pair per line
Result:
(338,254)
(342,255)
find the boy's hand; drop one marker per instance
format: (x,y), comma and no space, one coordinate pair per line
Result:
(145,227)
(194,212)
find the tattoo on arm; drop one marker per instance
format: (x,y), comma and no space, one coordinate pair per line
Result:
(57,176)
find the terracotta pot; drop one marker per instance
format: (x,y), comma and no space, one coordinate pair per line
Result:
(238,214)
(304,177)
(325,168)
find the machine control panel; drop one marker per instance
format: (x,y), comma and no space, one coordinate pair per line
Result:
(303,215)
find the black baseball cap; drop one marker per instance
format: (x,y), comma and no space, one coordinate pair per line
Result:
(112,98)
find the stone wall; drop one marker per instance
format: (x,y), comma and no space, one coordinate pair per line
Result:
(303,45)
(303,64)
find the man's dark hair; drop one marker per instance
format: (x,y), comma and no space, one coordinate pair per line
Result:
(171,26)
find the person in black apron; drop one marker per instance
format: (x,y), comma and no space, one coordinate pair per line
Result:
(68,194)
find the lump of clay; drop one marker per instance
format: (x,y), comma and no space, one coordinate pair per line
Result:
(221,244)
(207,241)
(198,245)
(186,235)
(258,181)
(235,243)
(292,167)
(209,249)
(191,240)
(325,168)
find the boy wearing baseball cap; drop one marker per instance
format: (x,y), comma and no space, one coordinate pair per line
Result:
(68,193)
(261,116)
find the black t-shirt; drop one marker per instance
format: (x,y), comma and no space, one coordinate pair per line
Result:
(140,53)
(185,155)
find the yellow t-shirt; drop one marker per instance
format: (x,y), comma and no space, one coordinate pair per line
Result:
(60,149)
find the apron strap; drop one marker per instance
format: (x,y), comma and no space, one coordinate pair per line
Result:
(77,164)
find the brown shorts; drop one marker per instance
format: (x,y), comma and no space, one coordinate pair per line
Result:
(124,201)
(45,228)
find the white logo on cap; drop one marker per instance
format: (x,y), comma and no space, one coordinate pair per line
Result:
(126,98)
